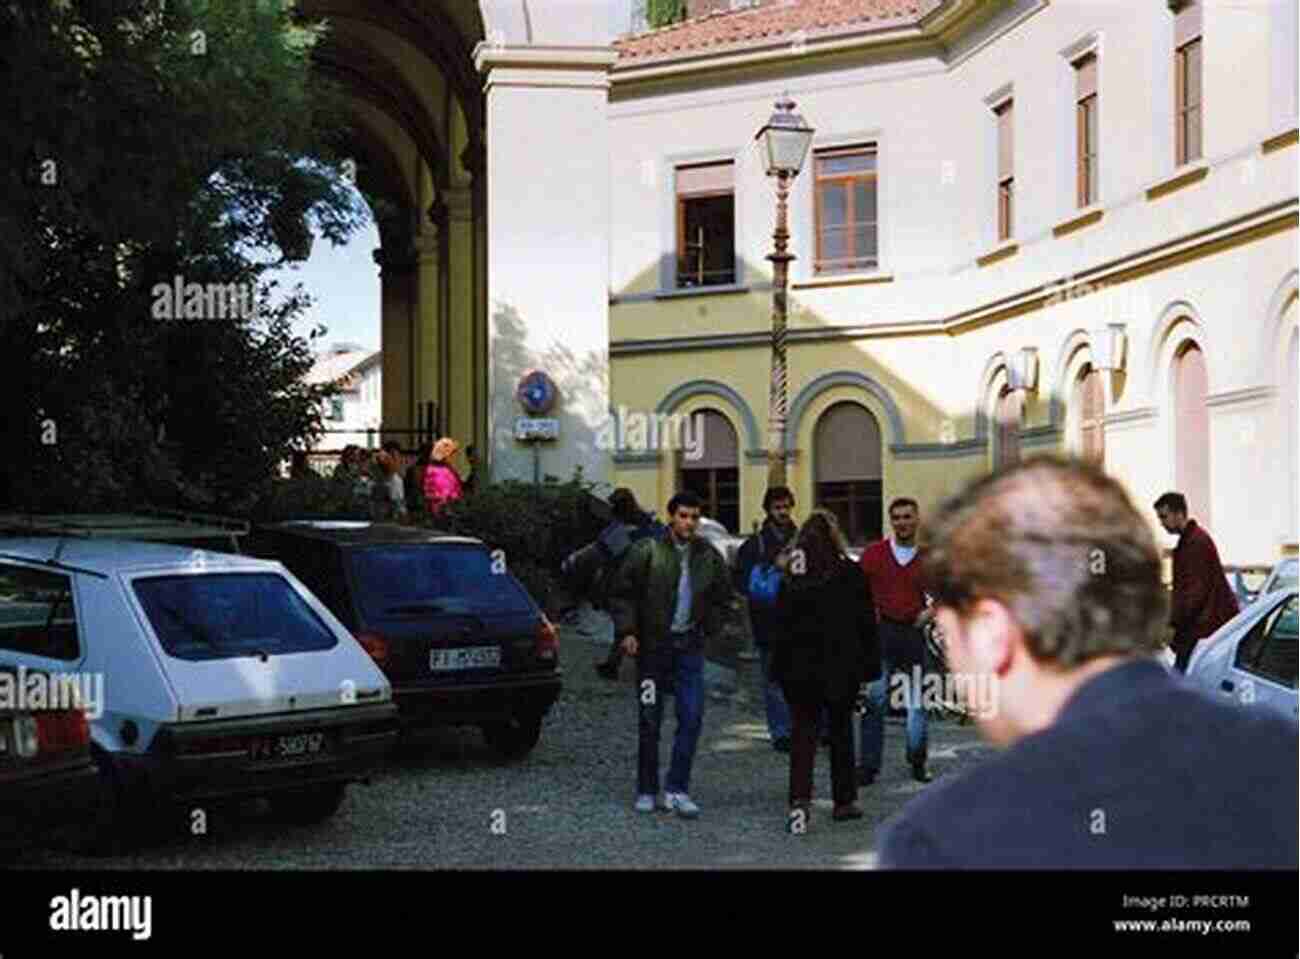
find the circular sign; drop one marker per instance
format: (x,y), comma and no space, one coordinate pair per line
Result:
(537,392)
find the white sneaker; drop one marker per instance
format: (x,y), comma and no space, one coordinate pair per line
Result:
(681,804)
(645,803)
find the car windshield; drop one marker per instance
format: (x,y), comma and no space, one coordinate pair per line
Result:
(396,581)
(223,615)
(1286,575)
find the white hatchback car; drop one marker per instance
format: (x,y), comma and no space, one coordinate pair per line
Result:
(1251,659)
(221,676)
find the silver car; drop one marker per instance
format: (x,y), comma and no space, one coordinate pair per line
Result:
(1251,659)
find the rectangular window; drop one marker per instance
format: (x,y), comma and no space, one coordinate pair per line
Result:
(230,615)
(845,195)
(1006,171)
(1085,70)
(37,614)
(706,224)
(1187,83)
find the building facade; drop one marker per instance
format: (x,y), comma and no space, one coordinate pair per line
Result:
(1024,226)
(1064,227)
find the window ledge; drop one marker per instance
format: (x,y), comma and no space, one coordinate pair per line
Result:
(1085,216)
(688,291)
(844,279)
(1000,252)
(1185,175)
(1285,136)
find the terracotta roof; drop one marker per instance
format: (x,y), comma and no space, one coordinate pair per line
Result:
(770,22)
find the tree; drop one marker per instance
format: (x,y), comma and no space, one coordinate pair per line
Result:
(662,13)
(158,145)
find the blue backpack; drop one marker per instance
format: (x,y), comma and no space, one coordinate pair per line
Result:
(764,584)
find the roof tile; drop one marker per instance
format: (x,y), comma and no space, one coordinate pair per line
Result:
(770,21)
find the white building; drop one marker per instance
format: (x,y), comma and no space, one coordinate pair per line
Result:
(353,417)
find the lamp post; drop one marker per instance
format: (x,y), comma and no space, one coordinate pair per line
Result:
(785,138)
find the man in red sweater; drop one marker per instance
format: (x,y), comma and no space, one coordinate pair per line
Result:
(894,571)
(1202,601)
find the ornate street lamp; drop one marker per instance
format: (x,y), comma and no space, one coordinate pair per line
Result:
(785,138)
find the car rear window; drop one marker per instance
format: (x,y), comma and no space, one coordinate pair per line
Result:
(397,581)
(224,615)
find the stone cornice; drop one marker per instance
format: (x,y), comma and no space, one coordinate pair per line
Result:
(537,66)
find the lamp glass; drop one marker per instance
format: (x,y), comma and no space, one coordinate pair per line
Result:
(786,147)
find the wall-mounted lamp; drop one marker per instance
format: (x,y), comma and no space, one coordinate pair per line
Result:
(1022,369)
(1108,344)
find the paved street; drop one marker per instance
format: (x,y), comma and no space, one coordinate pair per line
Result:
(569,803)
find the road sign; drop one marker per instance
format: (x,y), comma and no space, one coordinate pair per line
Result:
(535,429)
(536,393)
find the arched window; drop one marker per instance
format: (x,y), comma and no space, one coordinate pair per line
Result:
(1291,385)
(713,473)
(1090,402)
(1192,431)
(847,462)
(1008,416)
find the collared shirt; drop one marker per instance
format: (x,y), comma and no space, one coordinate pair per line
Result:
(903,554)
(682,614)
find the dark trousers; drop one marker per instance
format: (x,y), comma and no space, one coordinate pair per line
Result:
(803,750)
(680,674)
(1183,650)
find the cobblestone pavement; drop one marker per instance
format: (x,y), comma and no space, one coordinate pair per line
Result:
(450,802)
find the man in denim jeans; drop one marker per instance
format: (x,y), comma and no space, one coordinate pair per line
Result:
(667,600)
(773,536)
(894,571)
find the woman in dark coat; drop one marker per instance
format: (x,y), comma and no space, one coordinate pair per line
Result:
(824,651)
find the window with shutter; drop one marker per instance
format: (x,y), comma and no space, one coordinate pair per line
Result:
(1192,431)
(1187,82)
(1006,171)
(1085,70)
(714,474)
(847,463)
(706,224)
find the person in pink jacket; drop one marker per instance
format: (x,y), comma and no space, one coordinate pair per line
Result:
(441,482)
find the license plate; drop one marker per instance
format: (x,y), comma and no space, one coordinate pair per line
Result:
(293,746)
(469,657)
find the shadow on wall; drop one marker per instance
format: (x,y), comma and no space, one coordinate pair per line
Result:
(582,380)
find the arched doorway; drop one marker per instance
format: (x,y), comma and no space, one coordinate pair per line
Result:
(848,470)
(1090,401)
(1291,423)
(714,475)
(1008,415)
(1192,430)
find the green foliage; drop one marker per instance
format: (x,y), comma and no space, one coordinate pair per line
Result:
(535,526)
(132,158)
(663,13)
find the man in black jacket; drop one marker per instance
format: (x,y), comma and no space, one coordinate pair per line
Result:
(1047,585)
(773,536)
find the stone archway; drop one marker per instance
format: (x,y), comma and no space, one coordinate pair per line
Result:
(416,106)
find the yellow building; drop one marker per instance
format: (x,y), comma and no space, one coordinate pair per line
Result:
(1023,226)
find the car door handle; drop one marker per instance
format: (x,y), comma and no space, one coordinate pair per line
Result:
(1226,686)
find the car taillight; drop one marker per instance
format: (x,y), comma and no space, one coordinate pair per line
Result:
(27,742)
(62,730)
(375,645)
(548,640)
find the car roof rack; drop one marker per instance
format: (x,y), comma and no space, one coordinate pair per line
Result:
(143,524)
